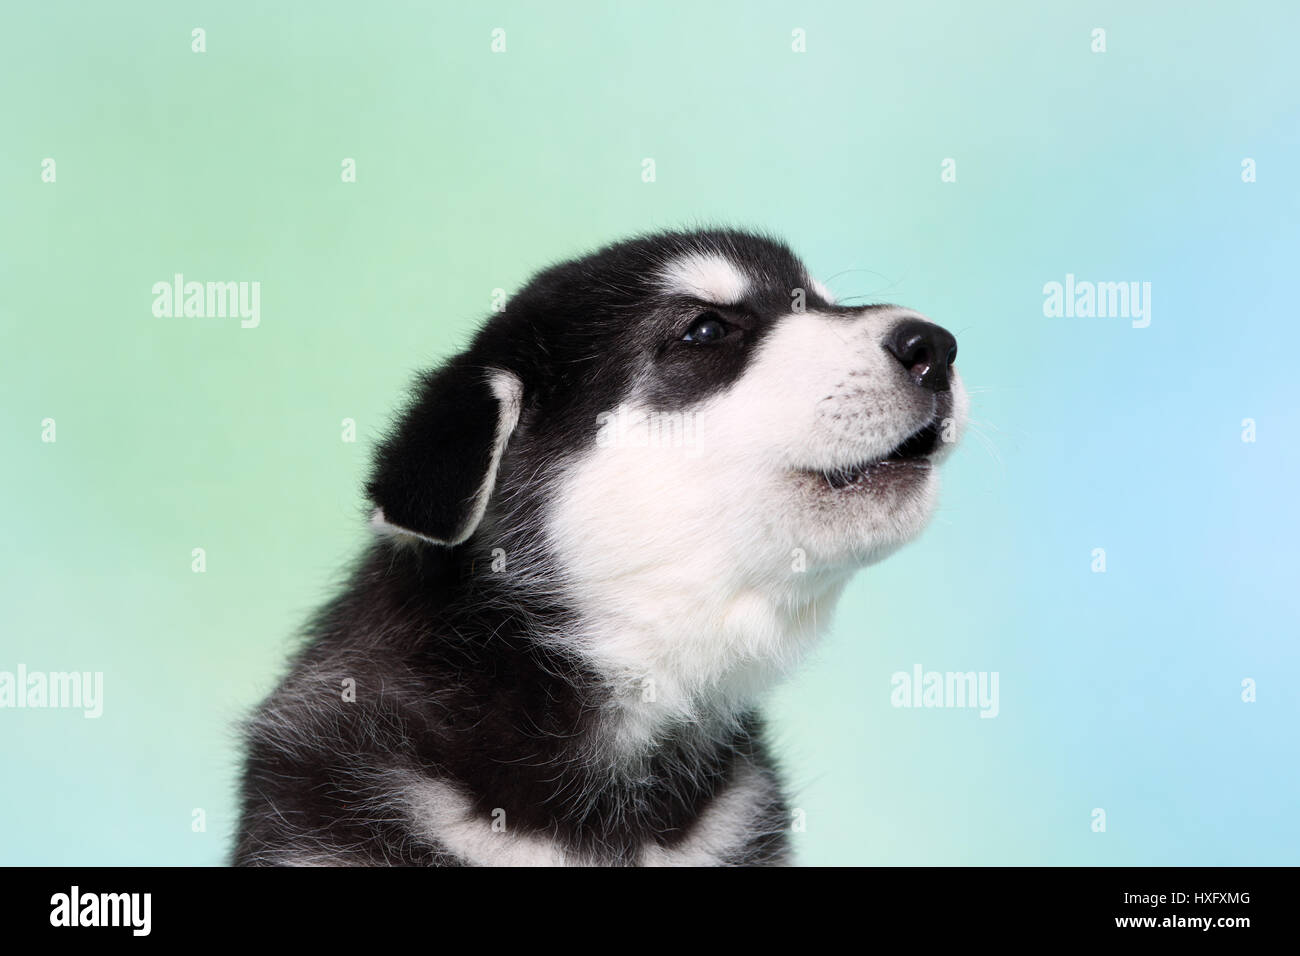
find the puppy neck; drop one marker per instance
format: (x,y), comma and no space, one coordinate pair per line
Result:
(698,658)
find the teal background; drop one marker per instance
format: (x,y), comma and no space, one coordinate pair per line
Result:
(1119,690)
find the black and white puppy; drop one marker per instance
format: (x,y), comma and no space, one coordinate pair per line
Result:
(601,532)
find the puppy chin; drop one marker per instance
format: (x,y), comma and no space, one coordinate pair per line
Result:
(851,528)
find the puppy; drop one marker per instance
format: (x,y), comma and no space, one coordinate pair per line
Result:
(600,533)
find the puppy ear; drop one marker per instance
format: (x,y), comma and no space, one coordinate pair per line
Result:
(434,473)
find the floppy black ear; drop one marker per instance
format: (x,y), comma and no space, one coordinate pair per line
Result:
(434,473)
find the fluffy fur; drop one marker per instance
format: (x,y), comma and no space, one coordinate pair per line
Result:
(601,533)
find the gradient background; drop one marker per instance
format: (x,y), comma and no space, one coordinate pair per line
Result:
(1118,690)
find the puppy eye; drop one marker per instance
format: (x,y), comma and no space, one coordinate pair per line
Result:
(707,328)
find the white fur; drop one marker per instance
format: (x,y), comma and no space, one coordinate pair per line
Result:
(722,830)
(822,290)
(711,278)
(696,592)
(445,816)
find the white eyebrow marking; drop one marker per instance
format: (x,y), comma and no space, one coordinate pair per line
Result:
(709,277)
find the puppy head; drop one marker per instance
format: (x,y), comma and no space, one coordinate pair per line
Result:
(681,393)
(690,445)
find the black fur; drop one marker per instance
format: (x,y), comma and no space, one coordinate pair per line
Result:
(451,679)
(431,468)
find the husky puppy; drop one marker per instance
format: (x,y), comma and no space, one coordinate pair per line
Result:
(600,533)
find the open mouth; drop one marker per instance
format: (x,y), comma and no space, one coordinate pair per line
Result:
(914,450)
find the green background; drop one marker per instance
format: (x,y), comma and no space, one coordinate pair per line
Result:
(1119,691)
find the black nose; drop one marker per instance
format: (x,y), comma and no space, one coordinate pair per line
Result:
(926,351)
